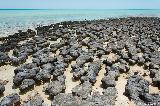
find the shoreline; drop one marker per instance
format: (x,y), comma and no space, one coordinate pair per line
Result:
(33,25)
(78,59)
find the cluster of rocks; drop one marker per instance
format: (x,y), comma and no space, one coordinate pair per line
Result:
(12,40)
(34,100)
(22,51)
(54,88)
(4,58)
(92,72)
(11,100)
(107,99)
(25,76)
(133,41)
(137,89)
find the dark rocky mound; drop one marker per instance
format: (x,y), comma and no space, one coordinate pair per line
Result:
(2,88)
(26,84)
(11,41)
(110,77)
(66,100)
(25,75)
(54,88)
(107,99)
(10,100)
(136,85)
(83,90)
(4,58)
(34,100)
(137,89)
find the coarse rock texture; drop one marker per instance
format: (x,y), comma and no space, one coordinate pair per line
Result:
(137,89)
(2,88)
(10,100)
(54,88)
(26,71)
(26,84)
(83,90)
(135,86)
(34,100)
(83,63)
(66,100)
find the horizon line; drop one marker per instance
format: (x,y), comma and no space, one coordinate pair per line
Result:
(75,9)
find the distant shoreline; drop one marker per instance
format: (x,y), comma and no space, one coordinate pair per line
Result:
(70,9)
(12,20)
(48,24)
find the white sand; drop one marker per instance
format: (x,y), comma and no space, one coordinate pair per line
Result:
(69,82)
(97,85)
(7,73)
(121,99)
(85,48)
(29,60)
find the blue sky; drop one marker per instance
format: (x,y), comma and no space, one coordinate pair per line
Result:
(80,4)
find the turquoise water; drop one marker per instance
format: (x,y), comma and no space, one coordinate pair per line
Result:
(13,20)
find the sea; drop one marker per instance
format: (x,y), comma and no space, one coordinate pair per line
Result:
(12,20)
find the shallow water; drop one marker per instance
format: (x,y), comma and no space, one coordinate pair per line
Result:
(13,20)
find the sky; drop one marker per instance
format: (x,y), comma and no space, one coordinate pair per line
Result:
(79,4)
